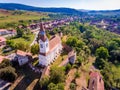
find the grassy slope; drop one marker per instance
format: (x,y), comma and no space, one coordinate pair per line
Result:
(8,17)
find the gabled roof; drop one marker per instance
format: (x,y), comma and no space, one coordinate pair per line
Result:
(2,39)
(22,53)
(96,82)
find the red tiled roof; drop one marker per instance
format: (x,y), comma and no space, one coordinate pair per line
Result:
(2,30)
(96,81)
(2,39)
(22,53)
(94,74)
(54,42)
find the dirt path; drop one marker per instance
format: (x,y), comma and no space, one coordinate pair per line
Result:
(69,78)
(82,80)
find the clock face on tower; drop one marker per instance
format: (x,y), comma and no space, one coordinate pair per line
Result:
(42,33)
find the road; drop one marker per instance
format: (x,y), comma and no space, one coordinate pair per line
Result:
(36,36)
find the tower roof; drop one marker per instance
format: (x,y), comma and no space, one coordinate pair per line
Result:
(42,33)
(42,27)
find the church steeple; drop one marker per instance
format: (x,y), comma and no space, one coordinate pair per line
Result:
(43,36)
(43,40)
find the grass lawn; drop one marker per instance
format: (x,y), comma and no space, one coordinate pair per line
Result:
(60,59)
(32,36)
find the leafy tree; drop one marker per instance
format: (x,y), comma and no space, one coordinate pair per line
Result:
(111,75)
(5,63)
(102,52)
(19,32)
(77,74)
(52,86)
(72,86)
(44,81)
(68,67)
(82,28)
(59,86)
(8,73)
(35,49)
(57,75)
(72,41)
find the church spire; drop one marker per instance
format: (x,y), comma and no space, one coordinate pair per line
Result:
(43,36)
(41,27)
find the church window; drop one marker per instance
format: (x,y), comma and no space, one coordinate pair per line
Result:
(41,45)
(46,44)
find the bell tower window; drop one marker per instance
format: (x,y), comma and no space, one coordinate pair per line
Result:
(41,45)
(46,44)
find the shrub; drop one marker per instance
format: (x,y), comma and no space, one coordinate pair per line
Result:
(73,86)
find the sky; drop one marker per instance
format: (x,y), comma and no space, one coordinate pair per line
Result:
(77,4)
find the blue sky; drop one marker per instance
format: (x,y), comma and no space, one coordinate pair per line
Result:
(77,4)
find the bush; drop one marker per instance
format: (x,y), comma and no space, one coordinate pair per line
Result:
(77,74)
(57,75)
(68,67)
(59,86)
(5,63)
(44,81)
(72,86)
(8,74)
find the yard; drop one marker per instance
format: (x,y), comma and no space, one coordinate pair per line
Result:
(28,41)
(60,59)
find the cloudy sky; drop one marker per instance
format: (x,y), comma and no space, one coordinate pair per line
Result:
(77,4)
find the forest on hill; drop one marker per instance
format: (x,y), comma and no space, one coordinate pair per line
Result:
(92,41)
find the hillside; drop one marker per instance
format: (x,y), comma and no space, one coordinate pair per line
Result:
(102,12)
(13,6)
(8,17)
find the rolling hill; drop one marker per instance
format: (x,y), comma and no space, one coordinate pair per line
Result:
(14,6)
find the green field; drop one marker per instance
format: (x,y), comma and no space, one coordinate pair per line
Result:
(31,38)
(16,16)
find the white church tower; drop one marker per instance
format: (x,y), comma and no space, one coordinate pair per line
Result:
(44,46)
(49,49)
(44,42)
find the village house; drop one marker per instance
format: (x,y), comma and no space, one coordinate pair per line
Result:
(2,41)
(95,82)
(72,57)
(22,57)
(49,49)
(7,32)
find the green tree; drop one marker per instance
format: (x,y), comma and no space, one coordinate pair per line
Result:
(5,63)
(8,73)
(59,86)
(20,32)
(35,49)
(72,41)
(44,81)
(72,86)
(102,52)
(57,74)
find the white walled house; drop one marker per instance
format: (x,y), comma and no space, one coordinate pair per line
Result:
(22,57)
(49,49)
